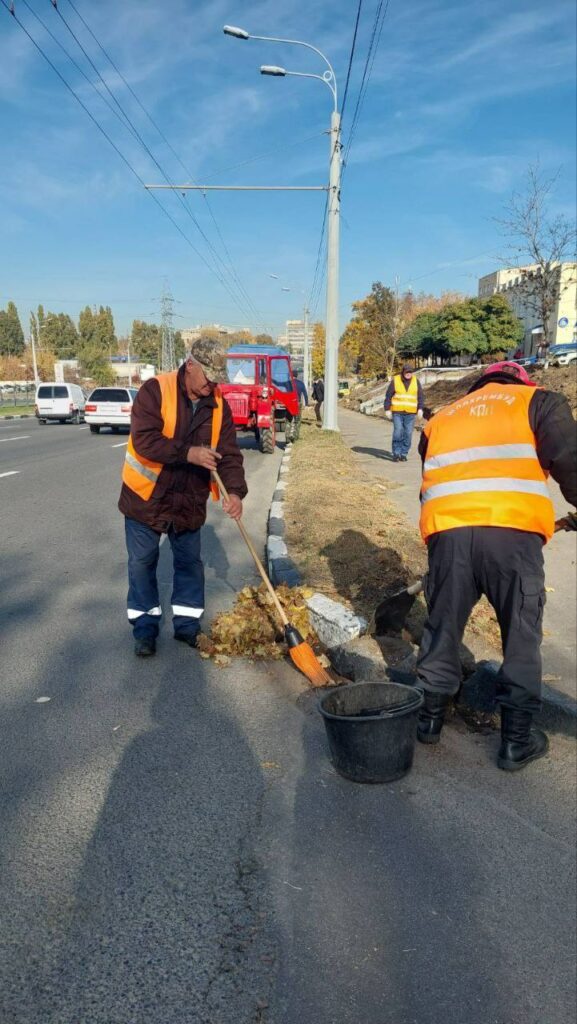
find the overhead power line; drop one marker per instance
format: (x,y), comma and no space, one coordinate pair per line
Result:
(124,159)
(220,268)
(379,20)
(230,268)
(351,56)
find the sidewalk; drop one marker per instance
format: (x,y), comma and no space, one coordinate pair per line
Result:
(370,441)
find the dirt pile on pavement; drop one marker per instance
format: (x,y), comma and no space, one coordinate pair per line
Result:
(251,629)
(349,541)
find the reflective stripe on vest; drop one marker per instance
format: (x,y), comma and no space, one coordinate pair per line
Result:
(486,483)
(402,400)
(141,474)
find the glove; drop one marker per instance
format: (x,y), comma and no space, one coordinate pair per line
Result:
(388,414)
(420,414)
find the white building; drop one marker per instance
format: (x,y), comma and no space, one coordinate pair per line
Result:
(513,284)
(191,334)
(295,337)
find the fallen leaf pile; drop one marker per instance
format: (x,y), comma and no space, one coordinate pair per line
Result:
(251,629)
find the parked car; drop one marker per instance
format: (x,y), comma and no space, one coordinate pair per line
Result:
(110,407)
(527,361)
(563,355)
(62,402)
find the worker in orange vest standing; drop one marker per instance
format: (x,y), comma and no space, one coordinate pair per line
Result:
(181,429)
(403,402)
(485,515)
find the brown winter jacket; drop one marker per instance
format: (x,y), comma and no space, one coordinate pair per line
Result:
(181,493)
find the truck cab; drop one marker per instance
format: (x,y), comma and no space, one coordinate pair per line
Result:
(260,390)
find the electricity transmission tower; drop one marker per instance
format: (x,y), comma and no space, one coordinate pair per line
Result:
(168,359)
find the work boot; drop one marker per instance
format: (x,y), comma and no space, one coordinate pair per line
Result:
(145,647)
(520,744)
(403,458)
(396,458)
(187,638)
(431,717)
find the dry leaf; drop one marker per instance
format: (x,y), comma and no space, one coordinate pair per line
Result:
(549,590)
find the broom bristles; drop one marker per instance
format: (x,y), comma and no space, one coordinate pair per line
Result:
(307,662)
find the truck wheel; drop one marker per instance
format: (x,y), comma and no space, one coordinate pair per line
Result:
(75,418)
(94,429)
(41,422)
(267,441)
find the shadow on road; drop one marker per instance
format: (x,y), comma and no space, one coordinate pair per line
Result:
(131,890)
(395,904)
(377,453)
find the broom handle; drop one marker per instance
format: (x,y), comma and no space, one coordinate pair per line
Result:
(257,560)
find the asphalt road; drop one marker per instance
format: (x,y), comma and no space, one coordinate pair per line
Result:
(175,847)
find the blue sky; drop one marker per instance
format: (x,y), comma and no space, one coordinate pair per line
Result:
(461,99)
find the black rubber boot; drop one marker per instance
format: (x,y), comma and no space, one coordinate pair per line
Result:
(145,647)
(187,638)
(431,717)
(520,744)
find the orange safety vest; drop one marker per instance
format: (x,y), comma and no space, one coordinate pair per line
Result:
(141,474)
(405,400)
(481,466)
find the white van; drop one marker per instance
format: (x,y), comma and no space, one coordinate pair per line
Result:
(62,402)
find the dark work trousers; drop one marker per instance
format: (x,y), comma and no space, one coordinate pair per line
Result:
(507,566)
(144,610)
(403,423)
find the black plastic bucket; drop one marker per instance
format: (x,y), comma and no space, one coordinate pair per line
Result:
(371,729)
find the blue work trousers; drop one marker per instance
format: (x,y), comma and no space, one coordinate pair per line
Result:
(144,610)
(402,432)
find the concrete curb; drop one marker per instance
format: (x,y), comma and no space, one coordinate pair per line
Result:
(358,656)
(23,416)
(281,568)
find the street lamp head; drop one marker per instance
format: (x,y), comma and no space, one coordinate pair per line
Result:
(270,69)
(238,33)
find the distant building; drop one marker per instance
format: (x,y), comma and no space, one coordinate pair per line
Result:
(191,334)
(295,337)
(562,327)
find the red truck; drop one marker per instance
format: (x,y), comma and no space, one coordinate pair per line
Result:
(261,393)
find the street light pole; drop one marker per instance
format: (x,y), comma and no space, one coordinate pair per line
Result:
(307,351)
(330,407)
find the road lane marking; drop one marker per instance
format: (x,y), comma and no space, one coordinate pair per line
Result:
(13,472)
(121,445)
(83,428)
(21,437)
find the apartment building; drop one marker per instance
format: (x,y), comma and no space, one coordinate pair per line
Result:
(512,284)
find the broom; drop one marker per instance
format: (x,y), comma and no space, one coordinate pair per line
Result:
(301,653)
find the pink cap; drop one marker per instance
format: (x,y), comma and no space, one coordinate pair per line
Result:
(513,369)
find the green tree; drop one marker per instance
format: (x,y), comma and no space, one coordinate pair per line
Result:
(318,350)
(11,333)
(57,333)
(146,342)
(95,364)
(418,339)
(502,329)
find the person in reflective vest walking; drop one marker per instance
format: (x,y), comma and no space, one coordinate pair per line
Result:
(403,402)
(485,515)
(181,429)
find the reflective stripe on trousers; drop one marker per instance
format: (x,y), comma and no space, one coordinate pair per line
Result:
(135,613)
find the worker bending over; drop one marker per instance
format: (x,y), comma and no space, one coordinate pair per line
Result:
(485,515)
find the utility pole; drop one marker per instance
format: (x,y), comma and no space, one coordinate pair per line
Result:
(307,351)
(330,417)
(168,361)
(34,363)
